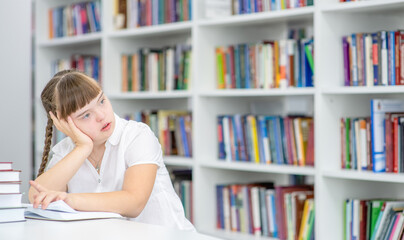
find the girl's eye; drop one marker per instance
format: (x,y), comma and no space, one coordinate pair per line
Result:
(87,115)
(102,101)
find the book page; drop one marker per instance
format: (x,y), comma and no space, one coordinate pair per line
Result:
(60,211)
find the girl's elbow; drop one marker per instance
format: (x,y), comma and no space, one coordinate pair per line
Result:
(134,210)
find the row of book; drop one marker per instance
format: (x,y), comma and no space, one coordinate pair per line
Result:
(220,8)
(75,19)
(173,129)
(376,142)
(269,64)
(182,182)
(162,69)
(266,139)
(373,219)
(352,0)
(262,209)
(373,59)
(11,209)
(88,64)
(139,13)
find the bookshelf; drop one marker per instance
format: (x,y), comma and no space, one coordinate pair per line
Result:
(327,102)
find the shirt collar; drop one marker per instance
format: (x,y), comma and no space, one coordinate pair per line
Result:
(118,130)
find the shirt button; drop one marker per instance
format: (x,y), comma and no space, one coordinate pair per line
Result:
(99,180)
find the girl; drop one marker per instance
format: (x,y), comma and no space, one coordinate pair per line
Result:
(105,163)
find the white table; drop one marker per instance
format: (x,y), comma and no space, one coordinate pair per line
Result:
(100,229)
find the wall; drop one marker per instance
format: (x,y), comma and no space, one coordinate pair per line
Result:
(15,88)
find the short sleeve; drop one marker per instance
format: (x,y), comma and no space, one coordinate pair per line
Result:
(52,162)
(144,148)
(59,151)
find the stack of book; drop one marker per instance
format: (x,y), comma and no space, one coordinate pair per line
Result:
(373,219)
(11,209)
(285,212)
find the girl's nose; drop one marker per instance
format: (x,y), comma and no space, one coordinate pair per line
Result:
(100,115)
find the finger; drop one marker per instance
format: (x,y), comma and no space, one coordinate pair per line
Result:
(51,197)
(38,186)
(74,129)
(38,200)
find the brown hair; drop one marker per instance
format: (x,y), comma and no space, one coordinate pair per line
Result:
(67,92)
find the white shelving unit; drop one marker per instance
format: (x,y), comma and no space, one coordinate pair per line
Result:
(328,101)
(333,185)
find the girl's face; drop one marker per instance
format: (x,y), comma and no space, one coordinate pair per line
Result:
(96,119)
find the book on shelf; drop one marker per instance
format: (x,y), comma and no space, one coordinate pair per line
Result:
(88,64)
(220,8)
(378,109)
(137,13)
(374,143)
(182,181)
(173,128)
(74,19)
(373,59)
(60,211)
(373,219)
(268,64)
(157,69)
(266,139)
(263,209)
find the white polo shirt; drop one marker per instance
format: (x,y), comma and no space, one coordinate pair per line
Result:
(130,144)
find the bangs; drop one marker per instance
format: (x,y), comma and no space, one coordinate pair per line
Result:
(73,92)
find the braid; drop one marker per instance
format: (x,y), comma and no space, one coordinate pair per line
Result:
(48,141)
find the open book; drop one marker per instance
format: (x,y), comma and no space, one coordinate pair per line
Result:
(60,211)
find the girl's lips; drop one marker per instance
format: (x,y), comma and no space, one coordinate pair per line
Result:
(106,127)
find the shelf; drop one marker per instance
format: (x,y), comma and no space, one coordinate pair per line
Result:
(364,6)
(72,41)
(150,95)
(162,29)
(365,176)
(252,167)
(234,235)
(364,90)
(178,161)
(259,92)
(286,15)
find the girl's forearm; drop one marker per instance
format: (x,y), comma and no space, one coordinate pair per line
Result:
(123,202)
(59,175)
